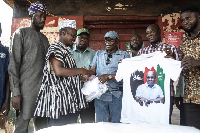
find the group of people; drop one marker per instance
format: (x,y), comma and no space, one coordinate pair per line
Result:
(46,80)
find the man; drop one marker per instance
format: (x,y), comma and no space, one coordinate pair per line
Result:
(29,47)
(153,33)
(4,80)
(136,44)
(190,56)
(105,65)
(149,92)
(83,56)
(60,96)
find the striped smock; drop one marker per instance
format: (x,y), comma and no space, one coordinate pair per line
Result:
(59,95)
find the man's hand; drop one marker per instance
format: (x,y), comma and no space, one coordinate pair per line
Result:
(189,61)
(85,73)
(120,61)
(6,108)
(169,53)
(16,102)
(103,78)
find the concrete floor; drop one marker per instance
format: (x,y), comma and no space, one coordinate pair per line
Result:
(175,116)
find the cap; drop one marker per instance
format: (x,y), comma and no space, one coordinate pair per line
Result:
(111,34)
(68,23)
(83,30)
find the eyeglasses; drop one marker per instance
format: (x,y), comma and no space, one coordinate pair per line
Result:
(109,41)
(108,59)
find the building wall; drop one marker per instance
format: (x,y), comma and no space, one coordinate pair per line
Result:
(97,25)
(105,7)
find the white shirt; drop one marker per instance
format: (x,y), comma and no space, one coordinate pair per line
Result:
(133,71)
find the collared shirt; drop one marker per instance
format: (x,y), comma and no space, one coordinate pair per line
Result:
(4,59)
(99,62)
(191,47)
(149,92)
(159,47)
(83,59)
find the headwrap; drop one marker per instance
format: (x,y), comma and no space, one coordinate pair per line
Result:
(111,34)
(37,7)
(68,23)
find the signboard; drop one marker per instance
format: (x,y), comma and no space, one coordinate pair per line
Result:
(173,38)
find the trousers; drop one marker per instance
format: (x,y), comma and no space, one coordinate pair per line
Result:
(21,125)
(108,111)
(64,119)
(192,114)
(88,115)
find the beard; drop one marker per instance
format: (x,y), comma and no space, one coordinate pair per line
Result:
(82,47)
(36,25)
(136,48)
(192,28)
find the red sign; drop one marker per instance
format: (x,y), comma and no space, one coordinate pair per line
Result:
(173,38)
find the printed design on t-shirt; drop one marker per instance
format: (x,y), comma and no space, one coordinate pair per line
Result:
(136,79)
(148,86)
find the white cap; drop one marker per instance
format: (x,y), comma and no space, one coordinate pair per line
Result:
(68,23)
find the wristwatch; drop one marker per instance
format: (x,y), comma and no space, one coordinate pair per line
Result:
(109,77)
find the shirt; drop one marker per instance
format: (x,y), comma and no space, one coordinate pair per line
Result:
(83,59)
(59,95)
(149,92)
(159,47)
(133,72)
(4,59)
(27,60)
(99,62)
(191,47)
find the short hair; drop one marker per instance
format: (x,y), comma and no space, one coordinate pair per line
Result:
(154,74)
(137,35)
(155,26)
(191,9)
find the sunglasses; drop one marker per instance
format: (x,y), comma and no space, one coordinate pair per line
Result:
(108,59)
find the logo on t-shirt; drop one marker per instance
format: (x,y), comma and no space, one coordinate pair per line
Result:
(148,86)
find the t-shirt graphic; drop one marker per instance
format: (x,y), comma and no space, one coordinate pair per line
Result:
(146,87)
(160,78)
(141,90)
(136,79)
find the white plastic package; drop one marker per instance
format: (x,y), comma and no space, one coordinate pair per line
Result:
(93,88)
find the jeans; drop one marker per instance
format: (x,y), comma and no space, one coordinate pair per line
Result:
(192,114)
(108,111)
(64,119)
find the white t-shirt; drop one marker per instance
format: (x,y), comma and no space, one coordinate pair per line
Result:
(133,72)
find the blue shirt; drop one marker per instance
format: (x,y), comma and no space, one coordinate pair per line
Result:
(99,62)
(4,59)
(83,59)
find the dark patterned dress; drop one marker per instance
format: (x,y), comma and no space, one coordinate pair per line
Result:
(59,95)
